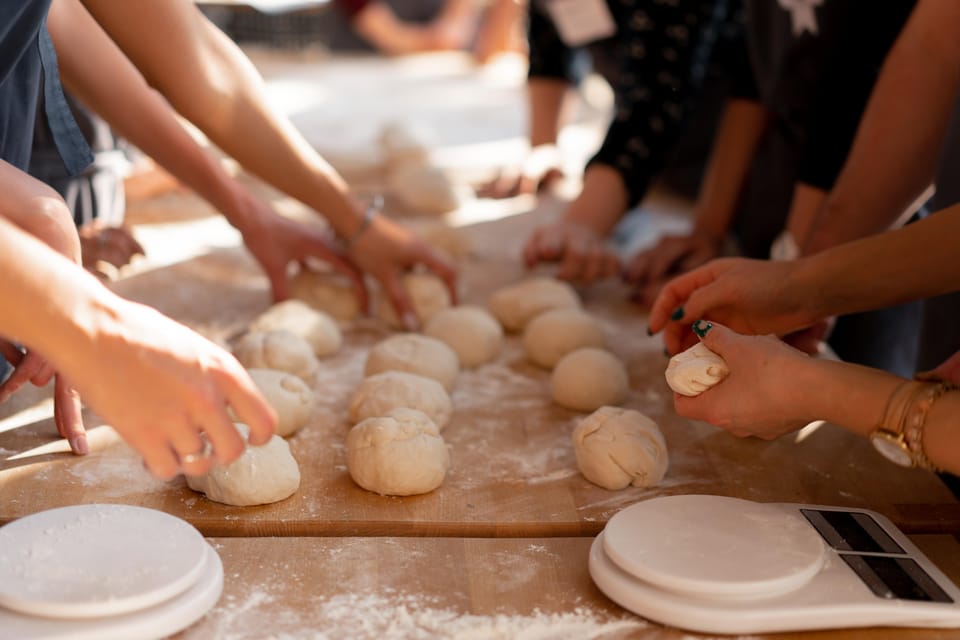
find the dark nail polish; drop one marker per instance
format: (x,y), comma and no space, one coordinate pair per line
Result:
(677,313)
(666,352)
(702,327)
(649,331)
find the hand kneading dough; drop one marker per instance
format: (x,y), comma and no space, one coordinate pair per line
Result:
(289,396)
(380,394)
(618,447)
(280,350)
(260,476)
(400,454)
(428,294)
(517,304)
(326,292)
(695,370)
(297,317)
(414,353)
(471,332)
(553,334)
(587,379)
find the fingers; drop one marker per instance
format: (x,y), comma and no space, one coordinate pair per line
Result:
(67,414)
(29,367)
(400,299)
(675,301)
(249,405)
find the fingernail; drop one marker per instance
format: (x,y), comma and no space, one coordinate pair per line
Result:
(78,444)
(677,313)
(649,331)
(702,327)
(666,352)
(410,321)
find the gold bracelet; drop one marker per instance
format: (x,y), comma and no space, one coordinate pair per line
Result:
(915,420)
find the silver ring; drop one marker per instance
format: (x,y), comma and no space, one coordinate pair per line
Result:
(205,452)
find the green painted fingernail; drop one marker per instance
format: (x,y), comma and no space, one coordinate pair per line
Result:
(677,313)
(649,331)
(666,352)
(702,327)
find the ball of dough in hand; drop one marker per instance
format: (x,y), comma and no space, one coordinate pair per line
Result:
(380,394)
(289,396)
(260,476)
(414,353)
(517,304)
(279,350)
(587,379)
(555,333)
(326,292)
(471,332)
(618,447)
(400,454)
(428,294)
(695,370)
(297,317)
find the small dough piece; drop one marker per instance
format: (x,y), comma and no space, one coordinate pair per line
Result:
(417,354)
(517,304)
(260,476)
(289,396)
(695,370)
(296,316)
(279,350)
(555,333)
(618,447)
(587,379)
(400,454)
(381,393)
(428,294)
(470,331)
(326,292)
(405,144)
(424,190)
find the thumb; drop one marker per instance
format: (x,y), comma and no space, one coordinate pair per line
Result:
(715,337)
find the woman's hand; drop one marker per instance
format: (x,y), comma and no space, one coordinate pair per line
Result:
(581,252)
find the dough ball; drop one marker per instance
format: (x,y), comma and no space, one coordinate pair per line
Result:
(289,396)
(618,447)
(405,144)
(260,476)
(695,370)
(400,454)
(295,316)
(471,332)
(381,393)
(428,294)
(517,304)
(555,333)
(414,353)
(449,241)
(587,379)
(279,350)
(424,190)
(326,292)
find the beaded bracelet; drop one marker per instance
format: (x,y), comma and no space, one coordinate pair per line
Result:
(915,418)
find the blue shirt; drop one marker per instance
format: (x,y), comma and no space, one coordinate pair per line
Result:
(30,85)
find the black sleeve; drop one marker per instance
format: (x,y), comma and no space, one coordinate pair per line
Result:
(548,56)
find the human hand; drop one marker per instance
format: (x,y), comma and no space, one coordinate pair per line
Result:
(112,245)
(947,371)
(762,396)
(649,270)
(581,252)
(540,169)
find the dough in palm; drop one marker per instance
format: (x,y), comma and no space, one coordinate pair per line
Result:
(695,370)
(616,448)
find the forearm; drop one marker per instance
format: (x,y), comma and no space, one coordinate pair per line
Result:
(38,210)
(602,201)
(547,98)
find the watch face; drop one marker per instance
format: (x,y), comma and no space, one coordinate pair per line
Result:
(892,448)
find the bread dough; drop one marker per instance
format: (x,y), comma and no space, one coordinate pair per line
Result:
(695,370)
(618,447)
(289,396)
(517,304)
(470,331)
(555,333)
(414,353)
(400,454)
(405,144)
(260,476)
(379,394)
(296,316)
(428,294)
(587,379)
(279,350)
(424,190)
(332,294)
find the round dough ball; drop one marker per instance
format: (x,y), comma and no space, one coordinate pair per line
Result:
(405,144)
(295,316)
(414,353)
(695,370)
(471,332)
(428,294)
(587,379)
(618,447)
(260,476)
(517,304)
(555,333)
(380,394)
(326,292)
(424,190)
(400,454)
(279,350)
(289,396)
